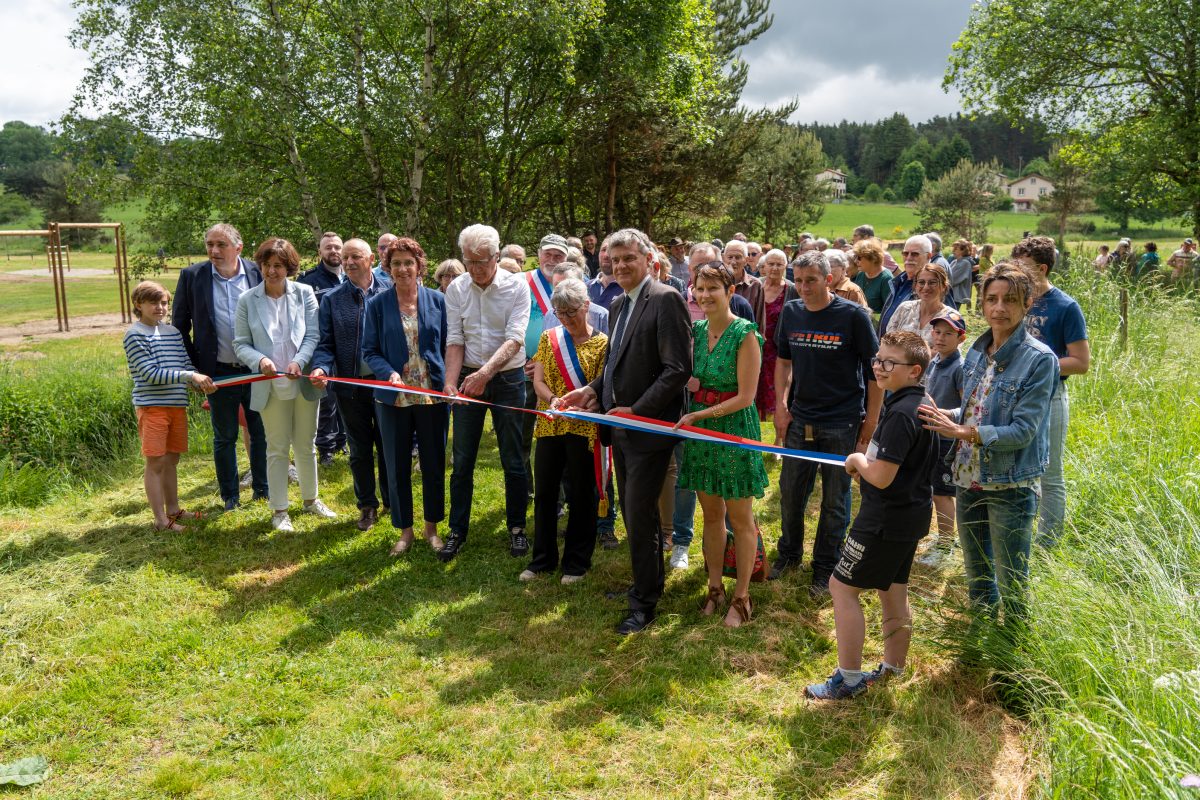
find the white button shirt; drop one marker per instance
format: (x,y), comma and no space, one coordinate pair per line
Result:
(482,319)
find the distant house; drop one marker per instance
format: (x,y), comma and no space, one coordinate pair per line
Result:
(1026,191)
(838,179)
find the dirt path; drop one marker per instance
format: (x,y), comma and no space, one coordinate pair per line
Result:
(41,330)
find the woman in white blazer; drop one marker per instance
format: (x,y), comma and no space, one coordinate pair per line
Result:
(276,332)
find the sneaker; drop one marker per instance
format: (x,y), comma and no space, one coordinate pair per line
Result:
(320,509)
(881,674)
(608,540)
(325,460)
(454,543)
(782,565)
(527,575)
(518,542)
(247,480)
(835,688)
(280,521)
(293,475)
(679,556)
(567,580)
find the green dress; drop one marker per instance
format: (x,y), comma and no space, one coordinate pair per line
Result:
(718,469)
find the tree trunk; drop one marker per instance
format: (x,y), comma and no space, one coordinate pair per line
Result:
(417,176)
(370,154)
(308,204)
(610,202)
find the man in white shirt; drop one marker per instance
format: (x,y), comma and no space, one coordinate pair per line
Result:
(487,311)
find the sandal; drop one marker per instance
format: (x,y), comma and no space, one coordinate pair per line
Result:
(182,514)
(401,547)
(740,608)
(171,525)
(716,597)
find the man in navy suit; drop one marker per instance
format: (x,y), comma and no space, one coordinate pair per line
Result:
(326,276)
(205,300)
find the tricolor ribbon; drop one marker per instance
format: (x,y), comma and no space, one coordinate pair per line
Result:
(627,421)
(540,286)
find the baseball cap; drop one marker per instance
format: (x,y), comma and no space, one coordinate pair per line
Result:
(954,318)
(553,240)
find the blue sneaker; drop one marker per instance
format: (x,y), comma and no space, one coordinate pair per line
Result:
(835,688)
(881,674)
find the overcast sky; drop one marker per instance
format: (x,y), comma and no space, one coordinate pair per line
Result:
(848,59)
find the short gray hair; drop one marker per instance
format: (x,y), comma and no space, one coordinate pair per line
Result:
(837,258)
(575,241)
(713,253)
(772,253)
(575,256)
(513,251)
(226,230)
(738,243)
(935,240)
(630,237)
(812,258)
(571,293)
(569,269)
(451,266)
(920,240)
(479,237)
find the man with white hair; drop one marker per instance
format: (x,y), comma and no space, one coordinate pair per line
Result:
(487,311)
(916,255)
(515,252)
(745,285)
(381,247)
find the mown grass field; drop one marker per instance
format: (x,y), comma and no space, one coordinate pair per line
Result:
(233,662)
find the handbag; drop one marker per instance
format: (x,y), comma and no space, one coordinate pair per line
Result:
(729,569)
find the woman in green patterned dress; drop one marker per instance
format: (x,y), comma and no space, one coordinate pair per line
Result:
(727,355)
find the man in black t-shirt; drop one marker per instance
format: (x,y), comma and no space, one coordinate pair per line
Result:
(897,501)
(826,400)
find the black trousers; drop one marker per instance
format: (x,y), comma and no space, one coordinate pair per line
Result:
(396,428)
(640,476)
(556,455)
(330,436)
(357,411)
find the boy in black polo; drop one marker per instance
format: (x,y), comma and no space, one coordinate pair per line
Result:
(897,500)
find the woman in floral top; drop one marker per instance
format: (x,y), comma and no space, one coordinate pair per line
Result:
(1002,430)
(568,357)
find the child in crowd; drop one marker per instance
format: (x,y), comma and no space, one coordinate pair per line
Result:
(161,374)
(944,385)
(893,516)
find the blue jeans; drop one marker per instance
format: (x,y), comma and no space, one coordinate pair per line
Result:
(1053,511)
(506,388)
(684,522)
(995,529)
(223,410)
(796,481)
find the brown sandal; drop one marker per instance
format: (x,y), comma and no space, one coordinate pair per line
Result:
(184,514)
(716,596)
(741,607)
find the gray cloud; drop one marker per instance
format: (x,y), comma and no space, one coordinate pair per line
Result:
(856,59)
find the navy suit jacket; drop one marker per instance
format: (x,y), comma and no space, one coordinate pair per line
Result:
(192,311)
(385,348)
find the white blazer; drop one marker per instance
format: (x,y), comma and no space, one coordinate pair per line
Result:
(251,344)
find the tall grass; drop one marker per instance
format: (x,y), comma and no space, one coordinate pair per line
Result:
(1115,612)
(65,418)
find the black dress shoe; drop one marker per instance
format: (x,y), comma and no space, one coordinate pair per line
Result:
(259,496)
(635,621)
(325,460)
(454,543)
(782,565)
(367,518)
(232,504)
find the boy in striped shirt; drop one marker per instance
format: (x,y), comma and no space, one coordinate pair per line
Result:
(161,373)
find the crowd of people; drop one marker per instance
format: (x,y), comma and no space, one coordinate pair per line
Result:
(1147,266)
(850,354)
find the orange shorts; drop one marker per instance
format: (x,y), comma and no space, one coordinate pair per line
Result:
(162,429)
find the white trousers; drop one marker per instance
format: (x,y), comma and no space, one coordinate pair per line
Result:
(290,424)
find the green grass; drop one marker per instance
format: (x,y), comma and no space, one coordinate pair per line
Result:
(234,662)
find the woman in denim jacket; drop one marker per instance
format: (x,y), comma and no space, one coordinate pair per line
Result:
(1002,430)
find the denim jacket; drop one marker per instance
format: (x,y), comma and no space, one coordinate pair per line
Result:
(1015,424)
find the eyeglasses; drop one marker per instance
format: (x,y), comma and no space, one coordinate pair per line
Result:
(478,262)
(887,365)
(571,313)
(753,253)
(927,283)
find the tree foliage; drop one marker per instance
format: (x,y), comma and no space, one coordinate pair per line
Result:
(778,192)
(959,204)
(419,116)
(912,179)
(1124,72)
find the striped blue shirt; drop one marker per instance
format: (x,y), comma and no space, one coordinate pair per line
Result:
(159,365)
